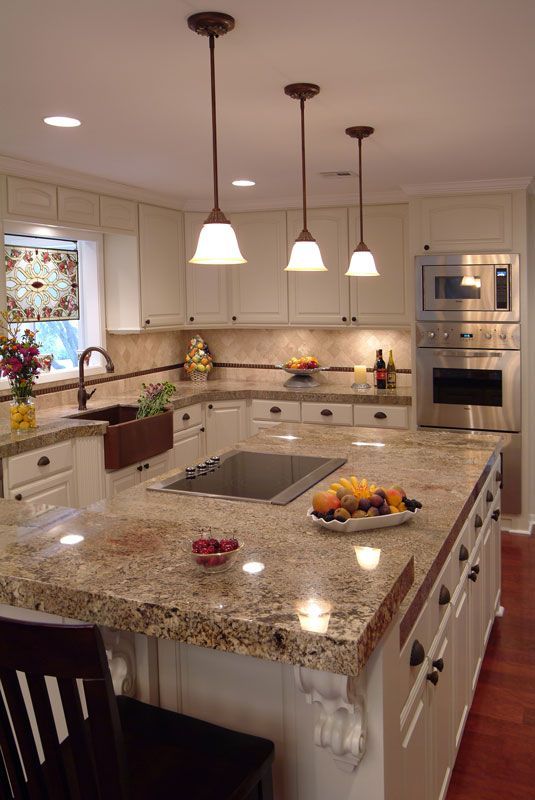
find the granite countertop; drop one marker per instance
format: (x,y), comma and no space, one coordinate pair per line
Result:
(55,426)
(131,568)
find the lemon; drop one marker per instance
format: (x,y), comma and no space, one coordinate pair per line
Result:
(24,426)
(201,368)
(16,417)
(15,426)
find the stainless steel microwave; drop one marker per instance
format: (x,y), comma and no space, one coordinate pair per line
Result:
(478,288)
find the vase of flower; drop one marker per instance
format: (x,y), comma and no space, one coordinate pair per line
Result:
(19,363)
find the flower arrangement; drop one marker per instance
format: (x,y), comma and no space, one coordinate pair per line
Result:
(154,398)
(19,352)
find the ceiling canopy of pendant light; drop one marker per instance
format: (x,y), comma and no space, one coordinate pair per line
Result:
(217,240)
(362,262)
(305,255)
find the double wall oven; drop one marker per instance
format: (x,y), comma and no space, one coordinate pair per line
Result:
(468,368)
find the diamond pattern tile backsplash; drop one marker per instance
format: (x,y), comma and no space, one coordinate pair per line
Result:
(336,348)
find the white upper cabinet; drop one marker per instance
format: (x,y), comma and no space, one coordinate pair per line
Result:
(260,287)
(118,214)
(388,298)
(465,223)
(161,261)
(32,200)
(321,298)
(79,207)
(207,288)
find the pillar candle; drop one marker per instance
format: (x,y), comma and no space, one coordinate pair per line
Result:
(359,372)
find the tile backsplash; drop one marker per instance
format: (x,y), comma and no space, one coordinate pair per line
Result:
(336,348)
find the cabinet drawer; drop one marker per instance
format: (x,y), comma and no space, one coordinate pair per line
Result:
(276,410)
(39,463)
(327,413)
(440,598)
(187,417)
(419,638)
(460,555)
(381,416)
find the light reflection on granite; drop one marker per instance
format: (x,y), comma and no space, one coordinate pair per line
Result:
(131,571)
(55,426)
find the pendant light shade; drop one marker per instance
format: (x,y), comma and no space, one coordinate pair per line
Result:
(362,264)
(305,255)
(217,240)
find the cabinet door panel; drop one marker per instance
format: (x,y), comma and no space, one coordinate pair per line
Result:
(118,214)
(207,288)
(56,491)
(461,668)
(31,199)
(386,298)
(321,298)
(188,447)
(161,255)
(121,479)
(467,223)
(440,697)
(260,287)
(156,466)
(225,424)
(415,752)
(77,206)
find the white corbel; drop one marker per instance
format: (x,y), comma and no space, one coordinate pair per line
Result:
(341,715)
(122,660)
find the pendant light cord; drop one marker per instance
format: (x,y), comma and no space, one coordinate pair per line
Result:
(214,121)
(302,105)
(360,188)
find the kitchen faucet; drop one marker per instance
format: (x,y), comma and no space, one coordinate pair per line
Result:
(83,394)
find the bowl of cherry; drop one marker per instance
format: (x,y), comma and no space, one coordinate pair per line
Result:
(214,555)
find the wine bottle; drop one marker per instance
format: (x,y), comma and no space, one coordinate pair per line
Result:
(391,372)
(380,370)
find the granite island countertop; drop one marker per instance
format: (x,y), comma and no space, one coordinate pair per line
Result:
(55,424)
(130,568)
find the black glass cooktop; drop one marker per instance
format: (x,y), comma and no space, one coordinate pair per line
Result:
(242,475)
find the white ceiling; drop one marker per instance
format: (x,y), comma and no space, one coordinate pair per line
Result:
(448,85)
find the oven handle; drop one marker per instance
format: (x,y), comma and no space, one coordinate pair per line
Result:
(467,354)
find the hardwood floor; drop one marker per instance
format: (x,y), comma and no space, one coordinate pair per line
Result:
(496,759)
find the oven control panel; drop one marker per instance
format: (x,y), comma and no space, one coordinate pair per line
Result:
(464,335)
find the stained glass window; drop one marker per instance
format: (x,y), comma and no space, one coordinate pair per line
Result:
(42,282)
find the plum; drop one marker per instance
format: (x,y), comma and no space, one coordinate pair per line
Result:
(364,504)
(372,512)
(384,509)
(381,493)
(377,500)
(350,503)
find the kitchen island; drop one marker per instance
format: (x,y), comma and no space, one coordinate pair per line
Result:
(247,648)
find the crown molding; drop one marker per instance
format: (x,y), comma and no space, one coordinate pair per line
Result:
(80,180)
(313,201)
(466,187)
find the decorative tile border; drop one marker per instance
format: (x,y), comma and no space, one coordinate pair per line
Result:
(231,364)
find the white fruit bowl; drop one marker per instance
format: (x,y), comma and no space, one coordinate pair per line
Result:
(301,378)
(364,523)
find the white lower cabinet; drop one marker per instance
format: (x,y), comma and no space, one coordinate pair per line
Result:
(118,480)
(226,424)
(189,446)
(374,416)
(436,693)
(59,490)
(327,413)
(43,475)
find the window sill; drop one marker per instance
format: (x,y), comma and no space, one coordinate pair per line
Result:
(56,378)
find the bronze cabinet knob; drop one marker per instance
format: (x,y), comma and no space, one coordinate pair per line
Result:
(210,406)
(444,596)
(18,497)
(496,515)
(439,664)
(433,677)
(186,416)
(147,322)
(140,468)
(417,654)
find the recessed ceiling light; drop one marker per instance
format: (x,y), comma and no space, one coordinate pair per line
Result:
(62,122)
(243,182)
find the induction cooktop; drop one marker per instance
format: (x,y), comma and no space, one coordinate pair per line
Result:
(244,475)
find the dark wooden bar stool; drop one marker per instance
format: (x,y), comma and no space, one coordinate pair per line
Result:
(124,749)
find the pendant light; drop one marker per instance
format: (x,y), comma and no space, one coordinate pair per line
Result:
(305,255)
(362,262)
(217,240)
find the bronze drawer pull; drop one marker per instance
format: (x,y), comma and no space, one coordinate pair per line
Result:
(463,553)
(275,410)
(326,412)
(478,522)
(380,415)
(490,496)
(186,416)
(444,596)
(44,461)
(496,515)
(417,654)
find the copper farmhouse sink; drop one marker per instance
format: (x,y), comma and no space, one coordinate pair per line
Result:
(128,440)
